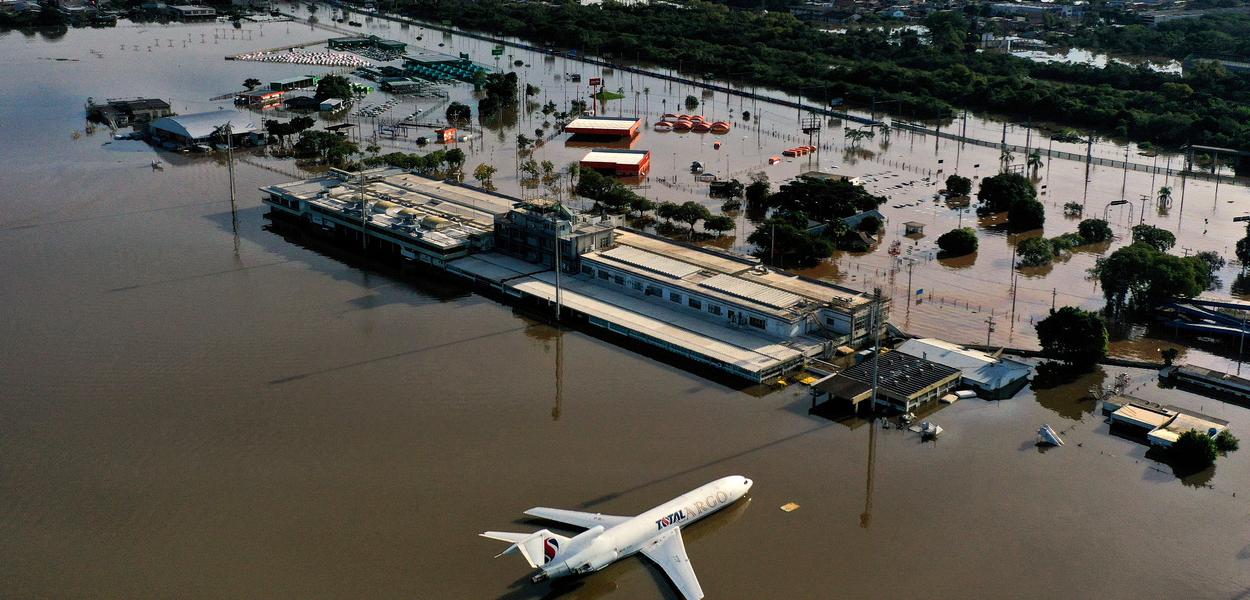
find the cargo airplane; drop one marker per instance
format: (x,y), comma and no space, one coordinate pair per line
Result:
(607,539)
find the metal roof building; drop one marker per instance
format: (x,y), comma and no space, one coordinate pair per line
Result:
(630,163)
(992,377)
(731,289)
(626,127)
(904,382)
(202,127)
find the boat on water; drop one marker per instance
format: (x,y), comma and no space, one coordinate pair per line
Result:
(1047,436)
(663,126)
(156,164)
(929,430)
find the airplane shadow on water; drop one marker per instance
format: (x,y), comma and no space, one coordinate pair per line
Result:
(604,582)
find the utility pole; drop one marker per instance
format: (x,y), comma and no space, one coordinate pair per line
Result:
(234,207)
(876,347)
(557,241)
(1241,344)
(989,328)
(1053,292)
(364,212)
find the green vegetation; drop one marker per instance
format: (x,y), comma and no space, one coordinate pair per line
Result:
(459,113)
(958,185)
(958,242)
(757,191)
(1034,252)
(1159,239)
(775,49)
(824,201)
(609,194)
(719,224)
(333,86)
(500,94)
(692,103)
(484,174)
(1193,451)
(435,164)
(251,83)
(783,240)
(324,147)
(1093,231)
(1015,195)
(280,130)
(1226,442)
(1139,275)
(1210,35)
(1076,337)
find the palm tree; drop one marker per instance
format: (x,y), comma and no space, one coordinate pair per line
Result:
(1035,161)
(1165,196)
(1006,157)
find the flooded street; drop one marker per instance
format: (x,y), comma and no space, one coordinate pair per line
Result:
(197,411)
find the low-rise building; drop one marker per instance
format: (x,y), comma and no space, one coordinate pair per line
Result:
(904,383)
(203,128)
(258,97)
(121,113)
(625,163)
(192,12)
(619,127)
(530,232)
(1158,424)
(991,377)
(418,218)
(293,83)
(734,290)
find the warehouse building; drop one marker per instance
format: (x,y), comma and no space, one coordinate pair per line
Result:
(615,127)
(204,128)
(623,163)
(293,83)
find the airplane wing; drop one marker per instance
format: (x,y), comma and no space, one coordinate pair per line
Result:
(668,551)
(577,519)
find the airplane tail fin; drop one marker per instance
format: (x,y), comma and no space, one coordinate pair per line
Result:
(537,548)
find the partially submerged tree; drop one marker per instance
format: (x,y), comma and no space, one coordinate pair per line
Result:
(1075,336)
(958,185)
(958,242)
(1093,231)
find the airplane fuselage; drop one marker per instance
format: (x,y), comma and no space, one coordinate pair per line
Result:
(597,548)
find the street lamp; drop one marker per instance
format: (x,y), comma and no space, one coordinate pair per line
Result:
(1118,203)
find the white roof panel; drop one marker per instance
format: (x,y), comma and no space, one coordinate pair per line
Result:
(748,290)
(619,157)
(650,262)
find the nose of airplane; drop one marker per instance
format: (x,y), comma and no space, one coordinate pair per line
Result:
(747,482)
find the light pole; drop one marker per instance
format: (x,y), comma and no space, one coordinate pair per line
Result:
(1118,203)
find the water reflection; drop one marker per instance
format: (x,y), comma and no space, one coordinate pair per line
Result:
(1070,400)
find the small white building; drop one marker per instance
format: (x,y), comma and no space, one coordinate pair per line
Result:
(331,104)
(992,377)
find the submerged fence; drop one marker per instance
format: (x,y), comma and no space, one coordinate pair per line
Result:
(1092,160)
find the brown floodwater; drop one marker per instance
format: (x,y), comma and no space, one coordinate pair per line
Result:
(197,411)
